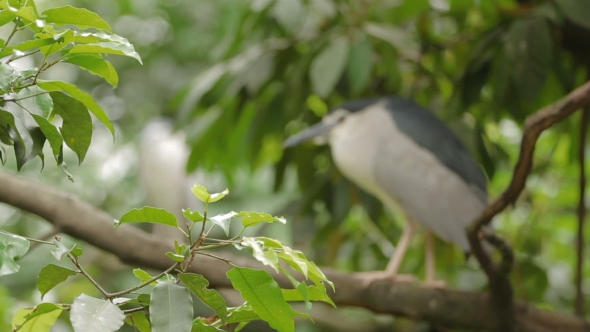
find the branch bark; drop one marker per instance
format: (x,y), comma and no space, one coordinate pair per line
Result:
(135,247)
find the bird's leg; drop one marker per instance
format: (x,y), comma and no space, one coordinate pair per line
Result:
(431,263)
(395,261)
(400,250)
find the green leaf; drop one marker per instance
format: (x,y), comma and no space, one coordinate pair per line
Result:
(18,133)
(529,50)
(577,11)
(200,326)
(223,220)
(204,196)
(182,249)
(80,17)
(6,16)
(149,214)
(26,45)
(195,216)
(60,250)
(260,253)
(8,74)
(94,37)
(292,258)
(95,65)
(360,64)
(89,314)
(82,96)
(264,296)
(62,39)
(311,293)
(35,100)
(38,140)
(12,247)
(40,319)
(27,14)
(139,320)
(52,135)
(77,251)
(144,299)
(51,276)
(325,70)
(250,218)
(289,14)
(106,48)
(397,37)
(297,260)
(171,308)
(143,276)
(28,140)
(243,313)
(76,129)
(197,284)
(175,257)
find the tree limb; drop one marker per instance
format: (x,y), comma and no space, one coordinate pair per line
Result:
(135,247)
(500,287)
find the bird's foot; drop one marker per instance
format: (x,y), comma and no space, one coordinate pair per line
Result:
(371,276)
(438,284)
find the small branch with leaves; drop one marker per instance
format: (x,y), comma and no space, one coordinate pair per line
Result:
(264,298)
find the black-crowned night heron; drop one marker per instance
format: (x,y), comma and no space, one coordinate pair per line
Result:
(404,155)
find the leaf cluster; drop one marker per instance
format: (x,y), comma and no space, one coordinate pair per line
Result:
(29,104)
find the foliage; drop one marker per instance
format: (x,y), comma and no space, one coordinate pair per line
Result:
(29,104)
(170,302)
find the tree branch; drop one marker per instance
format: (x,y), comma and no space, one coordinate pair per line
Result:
(500,287)
(136,247)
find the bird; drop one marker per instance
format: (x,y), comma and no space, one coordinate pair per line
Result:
(404,155)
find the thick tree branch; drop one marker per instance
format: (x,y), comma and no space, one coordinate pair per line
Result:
(535,124)
(133,246)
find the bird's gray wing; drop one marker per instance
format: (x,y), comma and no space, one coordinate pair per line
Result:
(432,134)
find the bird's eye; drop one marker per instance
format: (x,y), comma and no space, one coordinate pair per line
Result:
(341,119)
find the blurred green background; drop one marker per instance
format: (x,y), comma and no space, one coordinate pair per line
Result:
(233,78)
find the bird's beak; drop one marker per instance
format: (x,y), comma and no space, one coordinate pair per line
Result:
(318,130)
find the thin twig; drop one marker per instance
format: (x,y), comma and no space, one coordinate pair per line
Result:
(14,30)
(22,56)
(27,238)
(579,307)
(129,311)
(214,256)
(74,260)
(143,284)
(49,235)
(198,242)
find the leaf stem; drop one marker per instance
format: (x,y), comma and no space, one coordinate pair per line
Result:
(22,56)
(143,284)
(74,260)
(214,256)
(129,311)
(14,30)
(27,238)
